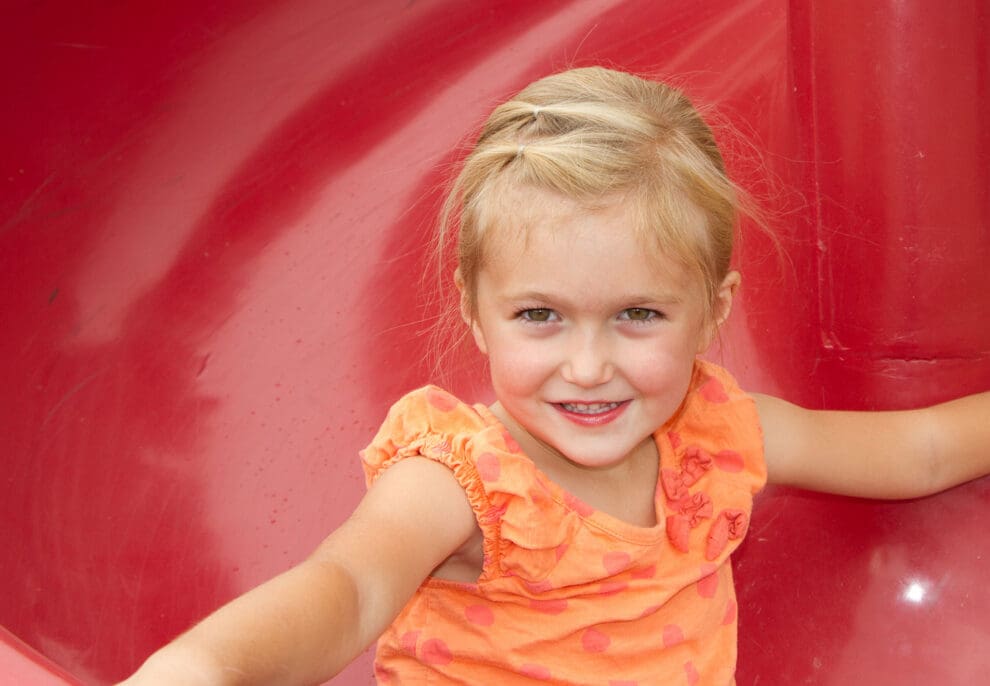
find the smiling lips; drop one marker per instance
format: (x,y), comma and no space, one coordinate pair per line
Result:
(591,414)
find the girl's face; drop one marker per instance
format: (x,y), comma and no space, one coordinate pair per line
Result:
(591,336)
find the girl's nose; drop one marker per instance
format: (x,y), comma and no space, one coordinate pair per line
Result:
(588,363)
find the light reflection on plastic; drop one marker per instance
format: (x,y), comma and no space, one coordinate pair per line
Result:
(915,592)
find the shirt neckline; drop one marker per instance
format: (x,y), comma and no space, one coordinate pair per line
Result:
(599,519)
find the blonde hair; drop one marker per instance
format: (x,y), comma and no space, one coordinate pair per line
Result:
(590,134)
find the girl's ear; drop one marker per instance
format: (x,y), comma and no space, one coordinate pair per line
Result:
(722,307)
(726,293)
(467,312)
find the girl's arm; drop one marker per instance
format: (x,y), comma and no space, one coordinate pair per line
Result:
(305,625)
(904,454)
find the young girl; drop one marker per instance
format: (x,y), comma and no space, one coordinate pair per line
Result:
(578,530)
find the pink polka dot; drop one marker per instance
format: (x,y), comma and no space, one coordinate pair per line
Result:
(652,609)
(594,641)
(510,443)
(538,587)
(692,674)
(674,438)
(481,615)
(561,549)
(708,584)
(550,607)
(644,572)
(731,611)
(436,652)
(579,506)
(488,467)
(672,635)
(538,672)
(441,400)
(408,641)
(713,391)
(729,461)
(616,562)
(539,497)
(382,675)
(612,587)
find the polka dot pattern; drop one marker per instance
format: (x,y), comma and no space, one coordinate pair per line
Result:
(708,584)
(436,652)
(729,461)
(691,673)
(409,641)
(441,400)
(594,641)
(651,610)
(589,581)
(481,615)
(616,562)
(612,587)
(549,607)
(510,442)
(731,612)
(382,675)
(539,497)
(539,587)
(644,572)
(713,391)
(488,466)
(538,672)
(578,505)
(672,635)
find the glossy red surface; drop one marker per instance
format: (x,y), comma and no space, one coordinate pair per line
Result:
(211,234)
(22,665)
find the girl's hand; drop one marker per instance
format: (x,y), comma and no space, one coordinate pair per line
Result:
(890,455)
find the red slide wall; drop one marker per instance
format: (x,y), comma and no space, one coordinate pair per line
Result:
(212,228)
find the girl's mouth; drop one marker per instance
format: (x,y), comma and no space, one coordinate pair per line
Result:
(592,414)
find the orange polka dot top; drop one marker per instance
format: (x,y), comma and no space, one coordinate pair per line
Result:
(568,594)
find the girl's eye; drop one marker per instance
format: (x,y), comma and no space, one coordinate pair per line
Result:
(538,315)
(639,314)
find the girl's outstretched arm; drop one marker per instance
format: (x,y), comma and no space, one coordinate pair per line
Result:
(903,454)
(305,625)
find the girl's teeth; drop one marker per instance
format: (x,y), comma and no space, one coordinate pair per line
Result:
(594,408)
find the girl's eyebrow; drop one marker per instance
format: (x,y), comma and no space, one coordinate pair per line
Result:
(628,300)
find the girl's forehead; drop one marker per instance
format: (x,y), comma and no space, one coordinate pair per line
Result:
(560,246)
(537,225)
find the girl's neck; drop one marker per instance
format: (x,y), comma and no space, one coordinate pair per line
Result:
(624,490)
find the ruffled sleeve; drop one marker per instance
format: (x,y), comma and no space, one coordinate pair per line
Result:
(525,523)
(432,423)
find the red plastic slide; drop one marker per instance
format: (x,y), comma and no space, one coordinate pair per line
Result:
(212,229)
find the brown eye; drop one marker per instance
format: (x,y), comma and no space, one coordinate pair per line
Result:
(539,314)
(639,314)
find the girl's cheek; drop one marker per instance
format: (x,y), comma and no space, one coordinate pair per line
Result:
(661,372)
(520,364)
